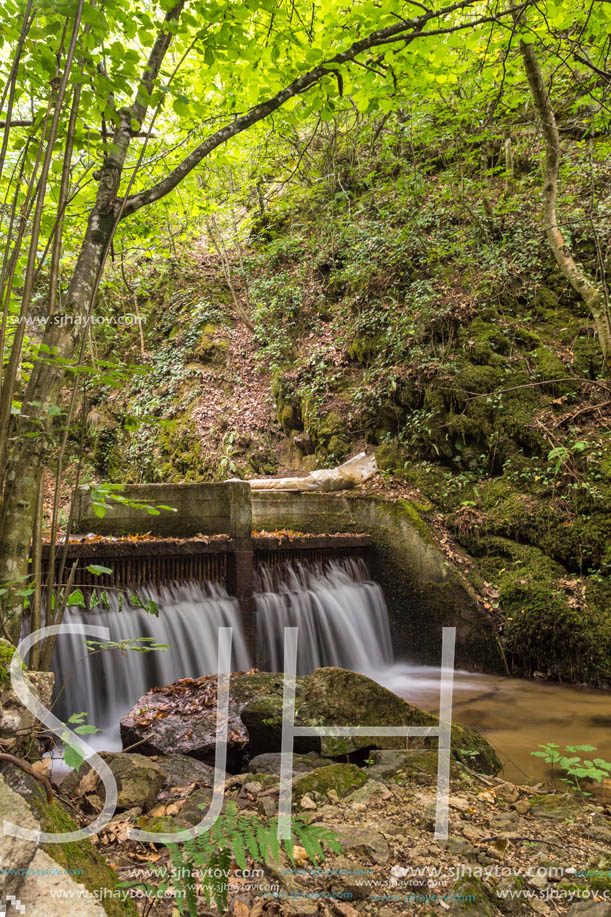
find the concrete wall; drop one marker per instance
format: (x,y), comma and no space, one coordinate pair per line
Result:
(209,509)
(423,591)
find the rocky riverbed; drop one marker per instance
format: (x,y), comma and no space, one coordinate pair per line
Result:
(510,849)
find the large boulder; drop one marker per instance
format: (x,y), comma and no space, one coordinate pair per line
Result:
(42,886)
(182,718)
(16,853)
(337,697)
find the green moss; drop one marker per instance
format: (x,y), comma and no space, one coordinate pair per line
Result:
(364,348)
(210,348)
(558,807)
(6,654)
(182,450)
(97,874)
(409,511)
(547,365)
(479,379)
(471,897)
(343,778)
(338,447)
(331,425)
(543,631)
(484,340)
(390,457)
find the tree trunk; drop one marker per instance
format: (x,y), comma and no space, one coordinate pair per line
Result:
(589,291)
(32,439)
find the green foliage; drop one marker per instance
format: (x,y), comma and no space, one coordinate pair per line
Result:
(203,865)
(573,765)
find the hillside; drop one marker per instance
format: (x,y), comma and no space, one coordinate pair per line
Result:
(406,302)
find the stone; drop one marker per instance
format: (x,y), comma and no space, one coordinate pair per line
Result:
(253,788)
(370,791)
(349,880)
(301,906)
(557,807)
(307,803)
(181,717)
(458,846)
(343,778)
(139,780)
(16,853)
(25,785)
(590,909)
(181,770)
(363,842)
(50,891)
(269,763)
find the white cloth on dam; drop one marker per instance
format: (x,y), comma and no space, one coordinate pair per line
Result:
(355,471)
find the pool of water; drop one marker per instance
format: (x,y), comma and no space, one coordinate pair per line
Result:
(515,714)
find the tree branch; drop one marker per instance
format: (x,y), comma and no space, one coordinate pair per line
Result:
(406,30)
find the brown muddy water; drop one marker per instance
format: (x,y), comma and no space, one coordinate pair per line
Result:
(515,714)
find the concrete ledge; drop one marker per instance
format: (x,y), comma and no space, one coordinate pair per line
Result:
(424,592)
(209,509)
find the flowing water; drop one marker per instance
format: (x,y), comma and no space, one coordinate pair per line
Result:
(343,620)
(105,686)
(341,616)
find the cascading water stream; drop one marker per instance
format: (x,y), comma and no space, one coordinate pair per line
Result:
(107,685)
(341,616)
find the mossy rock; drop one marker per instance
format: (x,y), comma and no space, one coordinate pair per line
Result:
(334,696)
(331,425)
(545,362)
(6,654)
(485,339)
(210,347)
(390,457)
(471,897)
(181,446)
(343,778)
(364,348)
(557,807)
(96,873)
(542,630)
(338,447)
(406,766)
(479,379)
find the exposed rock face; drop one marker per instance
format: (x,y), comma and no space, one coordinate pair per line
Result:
(14,717)
(33,875)
(182,718)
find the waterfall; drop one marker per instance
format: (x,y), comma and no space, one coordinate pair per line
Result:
(340,613)
(107,685)
(341,616)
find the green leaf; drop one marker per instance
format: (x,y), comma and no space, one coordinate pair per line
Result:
(76,598)
(98,570)
(72,757)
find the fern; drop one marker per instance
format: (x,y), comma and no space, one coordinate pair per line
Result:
(230,838)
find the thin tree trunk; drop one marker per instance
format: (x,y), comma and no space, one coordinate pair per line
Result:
(589,291)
